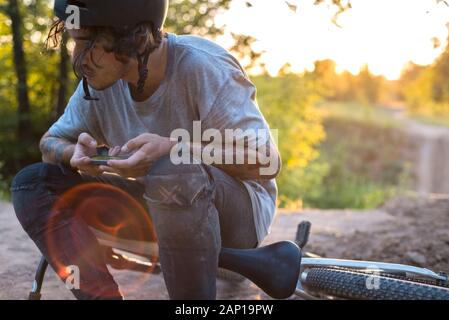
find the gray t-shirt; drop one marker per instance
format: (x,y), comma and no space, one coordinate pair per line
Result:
(203,82)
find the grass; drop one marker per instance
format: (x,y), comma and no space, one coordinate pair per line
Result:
(354,192)
(363,152)
(354,111)
(442,121)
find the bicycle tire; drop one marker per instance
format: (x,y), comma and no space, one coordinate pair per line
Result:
(351,284)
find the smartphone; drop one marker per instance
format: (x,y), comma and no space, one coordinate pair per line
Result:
(101,160)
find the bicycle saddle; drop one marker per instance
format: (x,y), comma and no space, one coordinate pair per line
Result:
(273,268)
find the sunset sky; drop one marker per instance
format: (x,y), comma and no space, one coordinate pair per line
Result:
(385,34)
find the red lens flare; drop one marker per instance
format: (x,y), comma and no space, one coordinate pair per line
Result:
(111,211)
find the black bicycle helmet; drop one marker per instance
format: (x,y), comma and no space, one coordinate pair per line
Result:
(115,13)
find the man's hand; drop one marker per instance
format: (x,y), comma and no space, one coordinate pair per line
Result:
(145,150)
(85,148)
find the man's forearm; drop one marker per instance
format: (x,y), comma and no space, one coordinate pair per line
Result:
(244,170)
(56,150)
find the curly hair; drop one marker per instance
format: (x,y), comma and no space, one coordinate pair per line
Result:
(124,42)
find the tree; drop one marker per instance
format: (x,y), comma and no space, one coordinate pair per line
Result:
(369,85)
(63,78)
(24,123)
(340,5)
(195,16)
(287,102)
(27,75)
(440,87)
(243,50)
(326,78)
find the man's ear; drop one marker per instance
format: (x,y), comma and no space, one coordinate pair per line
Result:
(143,44)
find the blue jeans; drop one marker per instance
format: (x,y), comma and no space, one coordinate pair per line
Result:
(195,210)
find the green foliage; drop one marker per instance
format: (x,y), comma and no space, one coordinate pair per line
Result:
(440,77)
(352,160)
(42,81)
(417,89)
(195,16)
(355,111)
(369,85)
(288,105)
(425,89)
(365,164)
(326,79)
(364,87)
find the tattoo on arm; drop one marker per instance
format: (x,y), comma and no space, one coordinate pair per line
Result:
(56,150)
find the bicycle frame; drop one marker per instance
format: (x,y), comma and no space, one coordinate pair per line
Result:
(409,271)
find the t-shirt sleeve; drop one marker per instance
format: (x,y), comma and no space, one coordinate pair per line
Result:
(235,107)
(78,117)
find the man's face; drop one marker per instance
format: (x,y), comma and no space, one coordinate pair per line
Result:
(100,68)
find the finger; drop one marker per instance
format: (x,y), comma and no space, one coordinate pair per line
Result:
(135,143)
(109,169)
(129,163)
(78,162)
(117,151)
(114,151)
(86,160)
(86,140)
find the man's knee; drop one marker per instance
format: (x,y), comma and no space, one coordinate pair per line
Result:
(27,178)
(172,185)
(181,202)
(31,196)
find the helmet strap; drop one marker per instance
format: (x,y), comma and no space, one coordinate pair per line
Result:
(87,95)
(143,69)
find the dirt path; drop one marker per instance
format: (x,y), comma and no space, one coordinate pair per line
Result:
(431,153)
(433,157)
(410,231)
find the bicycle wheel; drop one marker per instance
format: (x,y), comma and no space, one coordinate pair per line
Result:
(352,284)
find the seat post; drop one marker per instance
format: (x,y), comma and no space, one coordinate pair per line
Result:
(35,293)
